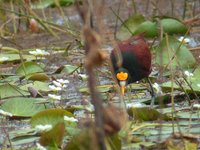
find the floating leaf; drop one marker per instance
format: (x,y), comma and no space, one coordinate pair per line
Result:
(16,57)
(51,116)
(80,141)
(46,3)
(138,145)
(24,140)
(101,89)
(194,82)
(54,137)
(28,68)
(113,142)
(148,28)
(181,144)
(14,134)
(21,107)
(166,51)
(22,136)
(38,85)
(10,90)
(129,26)
(10,78)
(188,115)
(69,69)
(173,26)
(38,77)
(146,114)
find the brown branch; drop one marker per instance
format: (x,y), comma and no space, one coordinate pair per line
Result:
(94,58)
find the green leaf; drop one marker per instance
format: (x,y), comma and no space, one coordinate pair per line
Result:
(137,145)
(194,82)
(22,107)
(9,90)
(50,116)
(28,68)
(54,137)
(14,134)
(46,3)
(181,144)
(40,86)
(173,26)
(24,140)
(129,27)
(38,77)
(16,57)
(146,114)
(80,141)
(148,28)
(101,89)
(165,52)
(113,142)
(42,4)
(69,69)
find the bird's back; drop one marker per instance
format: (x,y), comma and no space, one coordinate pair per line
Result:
(136,58)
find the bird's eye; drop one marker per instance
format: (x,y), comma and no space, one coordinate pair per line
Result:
(122,76)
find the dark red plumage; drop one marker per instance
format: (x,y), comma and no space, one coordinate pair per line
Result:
(136,58)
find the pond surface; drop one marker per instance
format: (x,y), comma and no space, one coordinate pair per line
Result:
(75,56)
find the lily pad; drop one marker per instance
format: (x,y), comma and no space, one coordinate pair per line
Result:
(50,116)
(146,114)
(38,77)
(46,3)
(148,28)
(69,69)
(101,89)
(10,90)
(173,26)
(54,137)
(194,82)
(129,26)
(38,85)
(173,50)
(16,57)
(21,107)
(28,68)
(80,141)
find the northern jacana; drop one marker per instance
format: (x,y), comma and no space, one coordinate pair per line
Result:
(135,64)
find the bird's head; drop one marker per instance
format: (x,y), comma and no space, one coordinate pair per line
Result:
(122,76)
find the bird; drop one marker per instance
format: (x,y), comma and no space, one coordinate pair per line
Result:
(135,64)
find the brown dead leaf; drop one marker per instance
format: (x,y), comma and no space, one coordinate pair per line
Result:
(114,119)
(94,57)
